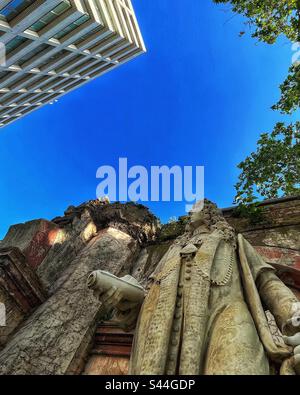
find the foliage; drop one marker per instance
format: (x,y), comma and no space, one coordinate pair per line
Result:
(271,18)
(253,212)
(290,92)
(274,169)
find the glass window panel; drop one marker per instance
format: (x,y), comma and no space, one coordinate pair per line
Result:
(51,16)
(72,26)
(15,43)
(14,8)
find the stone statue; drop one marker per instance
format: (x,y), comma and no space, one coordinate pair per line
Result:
(204,311)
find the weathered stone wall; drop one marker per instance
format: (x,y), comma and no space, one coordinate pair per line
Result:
(34,239)
(49,340)
(56,337)
(23,249)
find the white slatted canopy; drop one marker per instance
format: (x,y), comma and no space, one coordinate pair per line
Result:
(54,46)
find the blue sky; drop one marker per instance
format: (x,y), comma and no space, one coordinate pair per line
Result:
(200,96)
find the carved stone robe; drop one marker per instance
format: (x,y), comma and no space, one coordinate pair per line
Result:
(204,311)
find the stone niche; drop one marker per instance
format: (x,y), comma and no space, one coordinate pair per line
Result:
(21,252)
(20,290)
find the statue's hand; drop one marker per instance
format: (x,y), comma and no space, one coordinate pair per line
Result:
(294,341)
(109,299)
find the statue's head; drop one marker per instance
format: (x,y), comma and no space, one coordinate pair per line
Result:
(203,216)
(206,217)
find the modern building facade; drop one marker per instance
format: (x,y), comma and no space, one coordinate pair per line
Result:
(54,46)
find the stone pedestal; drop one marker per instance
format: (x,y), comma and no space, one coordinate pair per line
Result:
(111,351)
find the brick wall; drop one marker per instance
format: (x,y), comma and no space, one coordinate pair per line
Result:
(277,237)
